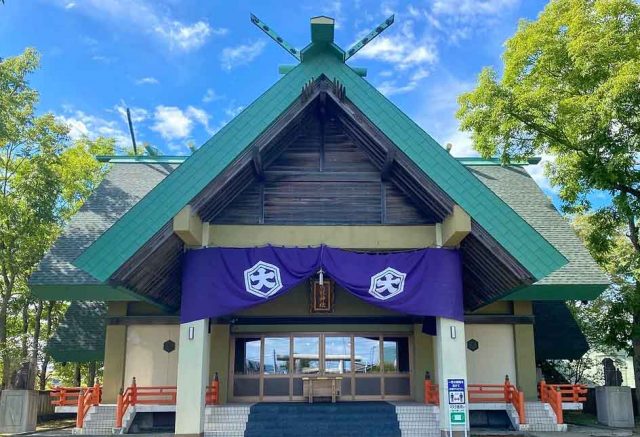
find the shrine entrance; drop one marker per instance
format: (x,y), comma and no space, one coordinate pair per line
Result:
(366,366)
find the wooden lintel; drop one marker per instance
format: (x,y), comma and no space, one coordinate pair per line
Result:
(371,237)
(455,227)
(188,226)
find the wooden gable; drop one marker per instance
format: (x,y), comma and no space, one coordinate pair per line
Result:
(322,177)
(293,173)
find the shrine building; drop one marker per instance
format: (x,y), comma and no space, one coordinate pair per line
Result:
(323,253)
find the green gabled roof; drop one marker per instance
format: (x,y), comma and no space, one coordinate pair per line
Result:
(138,225)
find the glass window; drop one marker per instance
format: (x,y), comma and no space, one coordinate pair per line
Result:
(306,355)
(276,356)
(247,359)
(337,354)
(396,354)
(367,354)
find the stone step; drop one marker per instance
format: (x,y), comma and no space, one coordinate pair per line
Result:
(223,434)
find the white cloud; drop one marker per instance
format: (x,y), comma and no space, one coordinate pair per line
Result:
(232,57)
(232,111)
(200,116)
(389,87)
(148,17)
(103,59)
(472,8)
(183,36)
(173,123)
(70,5)
(461,19)
(334,10)
(219,31)
(402,49)
(82,125)
(138,115)
(210,95)
(409,55)
(149,80)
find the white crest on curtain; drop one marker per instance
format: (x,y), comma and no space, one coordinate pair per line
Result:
(262,280)
(387,283)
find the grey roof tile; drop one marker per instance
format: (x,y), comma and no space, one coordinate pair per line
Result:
(516,187)
(123,187)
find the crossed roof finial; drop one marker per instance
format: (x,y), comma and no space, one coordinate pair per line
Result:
(322,32)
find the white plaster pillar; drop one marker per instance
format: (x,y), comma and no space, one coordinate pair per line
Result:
(451,363)
(193,375)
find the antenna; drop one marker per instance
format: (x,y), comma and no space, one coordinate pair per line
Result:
(274,36)
(133,135)
(367,39)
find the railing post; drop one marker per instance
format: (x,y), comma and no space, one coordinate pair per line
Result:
(134,391)
(62,397)
(119,412)
(95,394)
(215,389)
(559,414)
(80,413)
(521,413)
(542,390)
(427,388)
(507,385)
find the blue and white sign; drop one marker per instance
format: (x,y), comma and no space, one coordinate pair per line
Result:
(455,384)
(456,391)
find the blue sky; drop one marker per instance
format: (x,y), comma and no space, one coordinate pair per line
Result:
(186,67)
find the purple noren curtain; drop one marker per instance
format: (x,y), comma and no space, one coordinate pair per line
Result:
(221,281)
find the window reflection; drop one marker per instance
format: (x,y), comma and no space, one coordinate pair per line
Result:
(367,354)
(306,355)
(276,356)
(247,360)
(337,354)
(396,354)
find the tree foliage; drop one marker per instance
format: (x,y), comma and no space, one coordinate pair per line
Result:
(571,89)
(44,178)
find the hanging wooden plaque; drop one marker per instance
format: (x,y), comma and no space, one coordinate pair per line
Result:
(321,296)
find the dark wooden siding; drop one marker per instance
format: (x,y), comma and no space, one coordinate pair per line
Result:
(323,177)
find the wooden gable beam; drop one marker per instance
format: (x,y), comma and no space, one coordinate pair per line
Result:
(454,228)
(385,173)
(188,226)
(258,167)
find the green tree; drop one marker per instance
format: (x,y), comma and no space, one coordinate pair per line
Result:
(43,180)
(571,89)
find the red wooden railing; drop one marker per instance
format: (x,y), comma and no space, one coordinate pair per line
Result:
(65,396)
(552,395)
(431,393)
(568,392)
(87,399)
(213,392)
(158,395)
(507,393)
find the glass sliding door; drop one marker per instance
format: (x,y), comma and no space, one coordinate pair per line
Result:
(272,367)
(247,367)
(306,361)
(275,367)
